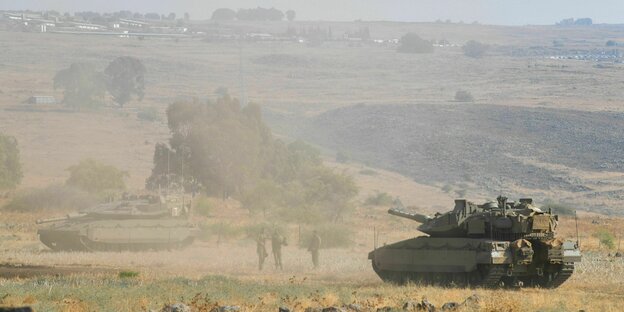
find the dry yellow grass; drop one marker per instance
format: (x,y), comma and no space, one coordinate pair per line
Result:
(340,75)
(345,275)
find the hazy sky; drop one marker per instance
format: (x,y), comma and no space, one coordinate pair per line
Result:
(504,12)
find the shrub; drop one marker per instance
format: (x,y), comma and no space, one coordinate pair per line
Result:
(95,177)
(474,49)
(202,206)
(10,168)
(368,172)
(379,199)
(463,96)
(412,43)
(148,114)
(128,274)
(447,188)
(332,236)
(54,197)
(605,238)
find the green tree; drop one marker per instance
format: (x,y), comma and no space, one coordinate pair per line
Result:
(290,15)
(95,177)
(125,77)
(83,86)
(412,43)
(223,14)
(10,167)
(228,150)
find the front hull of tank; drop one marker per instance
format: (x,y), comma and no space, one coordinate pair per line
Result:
(466,262)
(118,235)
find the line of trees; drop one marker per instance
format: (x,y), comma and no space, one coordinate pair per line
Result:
(85,87)
(97,17)
(256,14)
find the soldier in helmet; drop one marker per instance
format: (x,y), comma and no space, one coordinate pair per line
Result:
(261,249)
(277,241)
(313,248)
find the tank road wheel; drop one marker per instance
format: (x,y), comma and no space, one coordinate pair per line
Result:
(557,277)
(488,276)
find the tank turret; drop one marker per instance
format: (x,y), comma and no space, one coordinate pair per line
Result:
(491,244)
(501,220)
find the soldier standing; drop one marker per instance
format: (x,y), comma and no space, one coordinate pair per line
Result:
(313,248)
(277,241)
(261,250)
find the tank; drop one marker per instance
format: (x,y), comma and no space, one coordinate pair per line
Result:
(495,244)
(134,224)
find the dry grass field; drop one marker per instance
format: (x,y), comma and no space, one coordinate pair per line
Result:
(316,79)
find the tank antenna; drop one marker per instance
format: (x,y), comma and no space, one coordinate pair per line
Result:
(578,240)
(374,238)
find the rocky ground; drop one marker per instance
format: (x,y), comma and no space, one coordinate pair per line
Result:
(492,147)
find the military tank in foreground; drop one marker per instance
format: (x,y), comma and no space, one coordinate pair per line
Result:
(495,244)
(136,223)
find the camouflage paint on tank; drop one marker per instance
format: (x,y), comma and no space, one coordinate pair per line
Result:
(145,223)
(493,244)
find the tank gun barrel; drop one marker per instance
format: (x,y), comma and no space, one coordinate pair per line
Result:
(57,219)
(412,216)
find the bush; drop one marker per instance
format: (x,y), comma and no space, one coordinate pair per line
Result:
(412,43)
(55,197)
(605,238)
(128,274)
(612,43)
(379,199)
(474,49)
(148,114)
(10,167)
(202,206)
(95,177)
(463,96)
(368,172)
(332,236)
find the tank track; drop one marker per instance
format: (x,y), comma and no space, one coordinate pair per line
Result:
(488,277)
(92,246)
(492,278)
(564,273)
